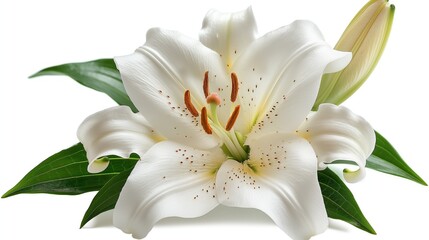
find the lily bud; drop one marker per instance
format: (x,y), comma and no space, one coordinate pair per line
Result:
(365,36)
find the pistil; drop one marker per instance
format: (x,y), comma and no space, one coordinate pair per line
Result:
(214,98)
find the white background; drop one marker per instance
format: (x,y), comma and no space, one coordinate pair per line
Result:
(40,116)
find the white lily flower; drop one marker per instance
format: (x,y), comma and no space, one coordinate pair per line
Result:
(232,110)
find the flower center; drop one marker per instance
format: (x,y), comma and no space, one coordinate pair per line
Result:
(233,141)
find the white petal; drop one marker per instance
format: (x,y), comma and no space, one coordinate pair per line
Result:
(336,133)
(171,180)
(280,76)
(280,179)
(229,34)
(115,131)
(157,75)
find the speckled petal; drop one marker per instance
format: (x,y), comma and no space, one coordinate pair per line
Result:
(172,180)
(280,179)
(115,131)
(280,76)
(157,75)
(336,133)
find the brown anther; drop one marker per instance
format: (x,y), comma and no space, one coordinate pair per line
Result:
(234,91)
(205,121)
(189,104)
(206,84)
(232,118)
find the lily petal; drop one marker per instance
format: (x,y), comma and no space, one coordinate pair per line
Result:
(229,34)
(171,180)
(115,131)
(280,179)
(336,133)
(280,76)
(157,75)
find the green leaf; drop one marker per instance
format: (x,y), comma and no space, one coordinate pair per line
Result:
(387,160)
(339,201)
(107,197)
(101,75)
(66,173)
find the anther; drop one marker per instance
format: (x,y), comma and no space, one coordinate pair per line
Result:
(205,121)
(206,84)
(189,104)
(234,91)
(232,118)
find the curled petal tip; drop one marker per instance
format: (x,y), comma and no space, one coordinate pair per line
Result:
(354,176)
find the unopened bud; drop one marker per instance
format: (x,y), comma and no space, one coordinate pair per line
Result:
(366,36)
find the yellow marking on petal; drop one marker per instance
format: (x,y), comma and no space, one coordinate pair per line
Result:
(304,134)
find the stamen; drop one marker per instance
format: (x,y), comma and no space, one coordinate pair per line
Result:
(205,121)
(214,98)
(206,84)
(189,104)
(232,118)
(234,91)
